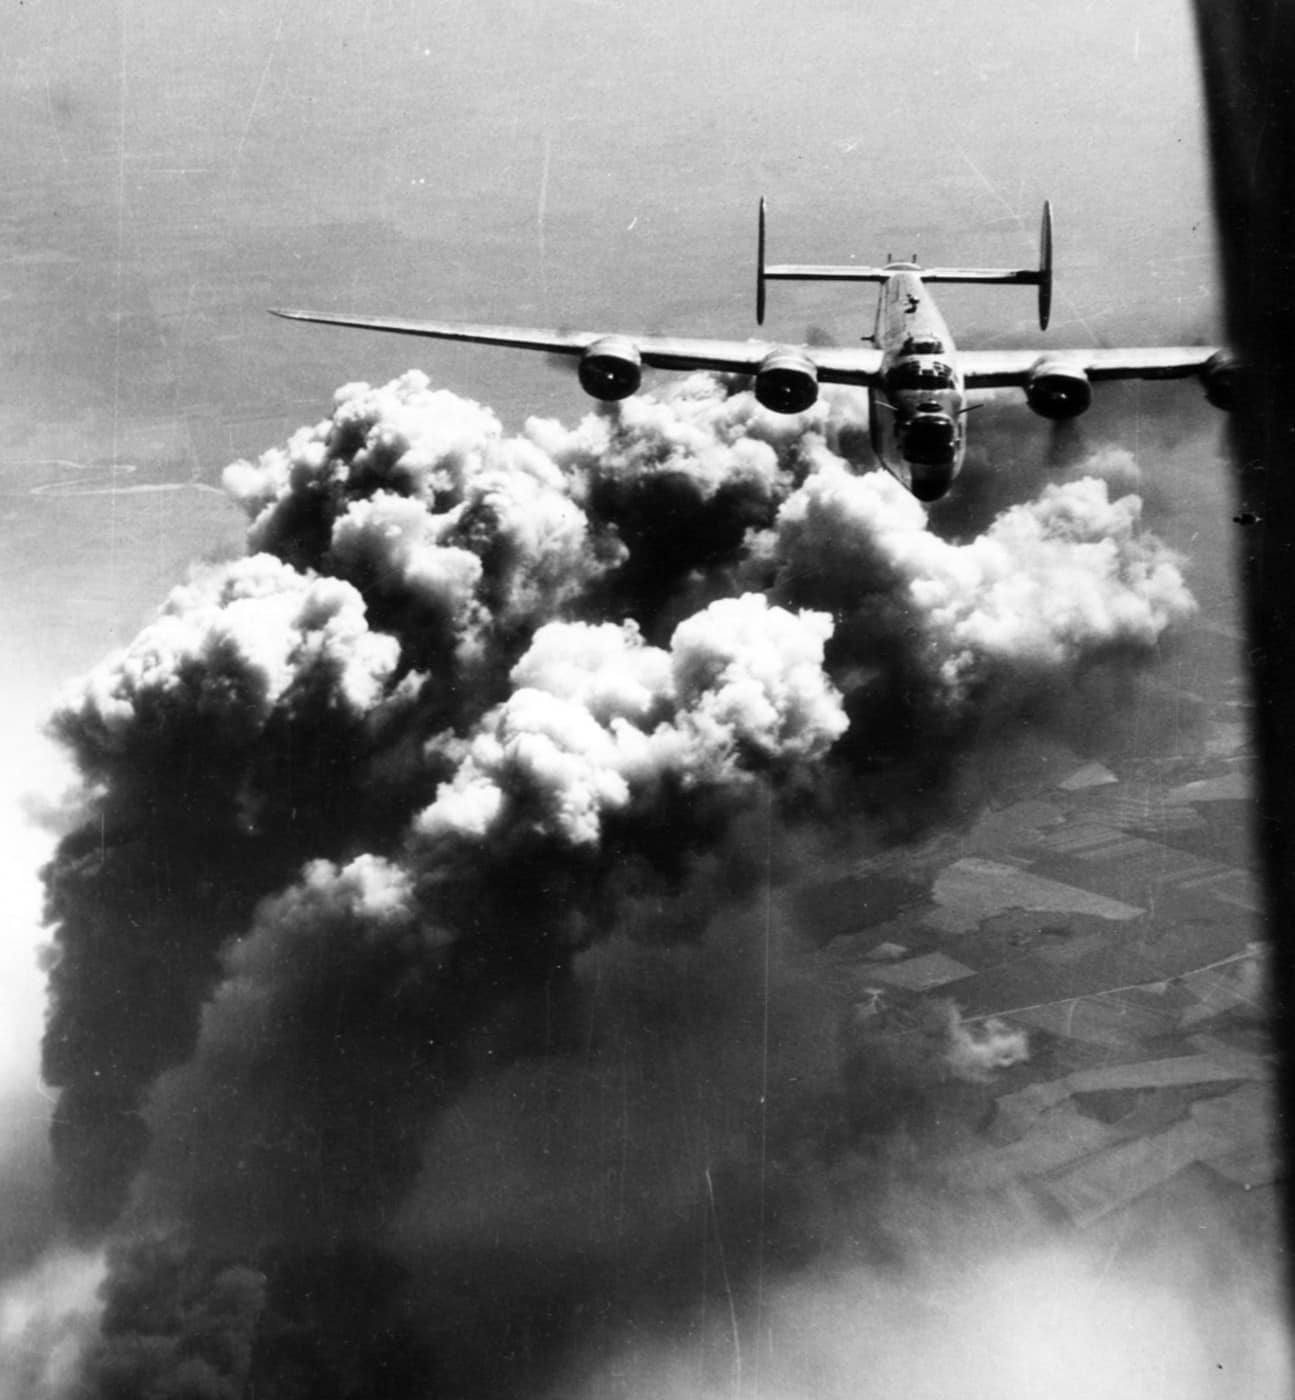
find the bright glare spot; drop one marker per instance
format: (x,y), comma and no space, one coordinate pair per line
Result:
(1062,1322)
(35,773)
(46,1316)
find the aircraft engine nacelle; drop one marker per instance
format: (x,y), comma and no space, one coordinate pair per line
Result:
(1058,389)
(611,369)
(786,382)
(1224,377)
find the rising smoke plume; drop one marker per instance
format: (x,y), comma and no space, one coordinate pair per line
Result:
(396,819)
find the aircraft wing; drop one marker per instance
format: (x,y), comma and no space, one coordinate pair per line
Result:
(835,365)
(989,369)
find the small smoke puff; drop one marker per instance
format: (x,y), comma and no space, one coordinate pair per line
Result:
(229,646)
(976,1050)
(368,889)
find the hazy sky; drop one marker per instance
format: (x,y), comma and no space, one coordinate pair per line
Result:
(173,169)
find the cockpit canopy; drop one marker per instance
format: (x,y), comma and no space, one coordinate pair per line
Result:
(928,375)
(921,345)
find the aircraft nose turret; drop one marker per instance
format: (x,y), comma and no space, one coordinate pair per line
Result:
(930,437)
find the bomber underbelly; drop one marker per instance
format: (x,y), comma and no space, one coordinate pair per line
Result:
(929,481)
(920,445)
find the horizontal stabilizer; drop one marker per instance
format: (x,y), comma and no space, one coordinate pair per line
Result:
(808,272)
(1019,276)
(1040,277)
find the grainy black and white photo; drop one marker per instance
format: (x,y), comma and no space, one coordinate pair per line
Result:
(639,755)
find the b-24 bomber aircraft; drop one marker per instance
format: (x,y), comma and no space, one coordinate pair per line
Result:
(917,380)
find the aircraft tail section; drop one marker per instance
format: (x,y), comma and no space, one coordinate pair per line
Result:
(803,272)
(1040,277)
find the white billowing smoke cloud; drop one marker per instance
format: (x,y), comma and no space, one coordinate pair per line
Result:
(362,794)
(425,441)
(1052,583)
(751,677)
(245,634)
(718,440)
(600,718)
(405,547)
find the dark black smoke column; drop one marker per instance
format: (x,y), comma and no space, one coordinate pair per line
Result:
(1248,52)
(222,750)
(358,800)
(353,802)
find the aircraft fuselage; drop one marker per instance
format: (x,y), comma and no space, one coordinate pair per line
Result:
(916,408)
